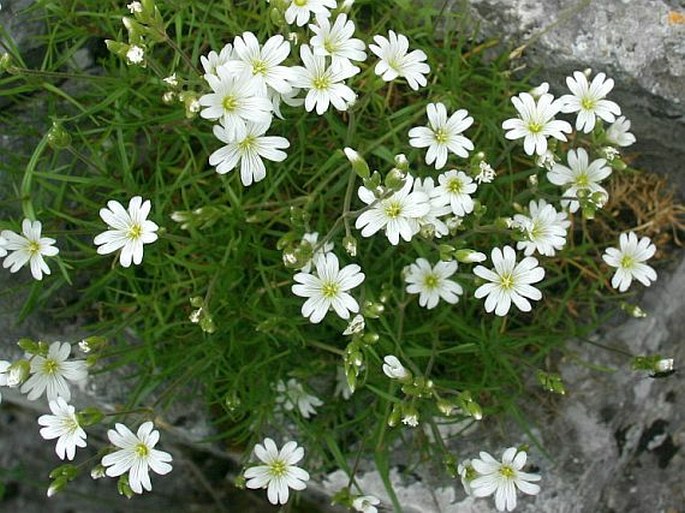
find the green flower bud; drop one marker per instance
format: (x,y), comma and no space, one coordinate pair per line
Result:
(17,373)
(123,487)
(551,382)
(359,165)
(89,416)
(395,179)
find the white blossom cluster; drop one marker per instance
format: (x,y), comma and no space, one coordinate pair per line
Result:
(49,370)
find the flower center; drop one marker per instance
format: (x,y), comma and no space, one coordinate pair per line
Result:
(50,366)
(135,231)
(441,136)
(455,186)
(322,83)
(507,472)
(70,424)
(246,143)
(259,67)
(534,127)
(142,450)
(582,180)
(506,281)
(330,289)
(430,281)
(393,209)
(330,45)
(588,103)
(33,247)
(229,103)
(278,468)
(627,262)
(300,3)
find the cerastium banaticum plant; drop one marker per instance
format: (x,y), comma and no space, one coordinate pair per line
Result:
(344,230)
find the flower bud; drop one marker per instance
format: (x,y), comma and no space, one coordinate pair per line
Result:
(28,345)
(633,310)
(395,415)
(350,245)
(89,416)
(359,165)
(5,62)
(58,137)
(395,179)
(401,162)
(551,382)
(394,369)
(410,416)
(97,472)
(355,326)
(123,487)
(17,373)
(469,256)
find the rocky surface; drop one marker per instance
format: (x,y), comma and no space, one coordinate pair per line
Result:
(639,43)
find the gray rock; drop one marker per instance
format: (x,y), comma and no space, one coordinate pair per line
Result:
(633,41)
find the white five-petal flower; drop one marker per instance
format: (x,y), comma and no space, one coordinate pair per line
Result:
(328,288)
(396,62)
(503,478)
(432,283)
(136,455)
(213,60)
(535,122)
(51,372)
(587,99)
(443,135)
(234,99)
(509,281)
(324,83)
(580,175)
(263,62)
(299,11)
(398,214)
(336,41)
(248,147)
(544,227)
(29,248)
(455,190)
(629,261)
(366,503)
(129,230)
(293,394)
(63,425)
(618,132)
(279,472)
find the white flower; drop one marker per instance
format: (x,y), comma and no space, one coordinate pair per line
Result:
(410,419)
(234,100)
(443,134)
(395,62)
(136,455)
(588,100)
(581,175)
(455,190)
(398,214)
(3,243)
(313,238)
(63,425)
(301,10)
(618,133)
(356,325)
(28,248)
(466,474)
(509,282)
(394,369)
(293,395)
(546,160)
(171,80)
(431,283)
(129,230)
(535,122)
(503,478)
(437,207)
(51,373)
(545,229)
(135,55)
(135,7)
(336,41)
(538,91)
(279,472)
(366,503)
(4,374)
(629,261)
(486,173)
(262,62)
(249,147)
(212,61)
(328,288)
(323,83)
